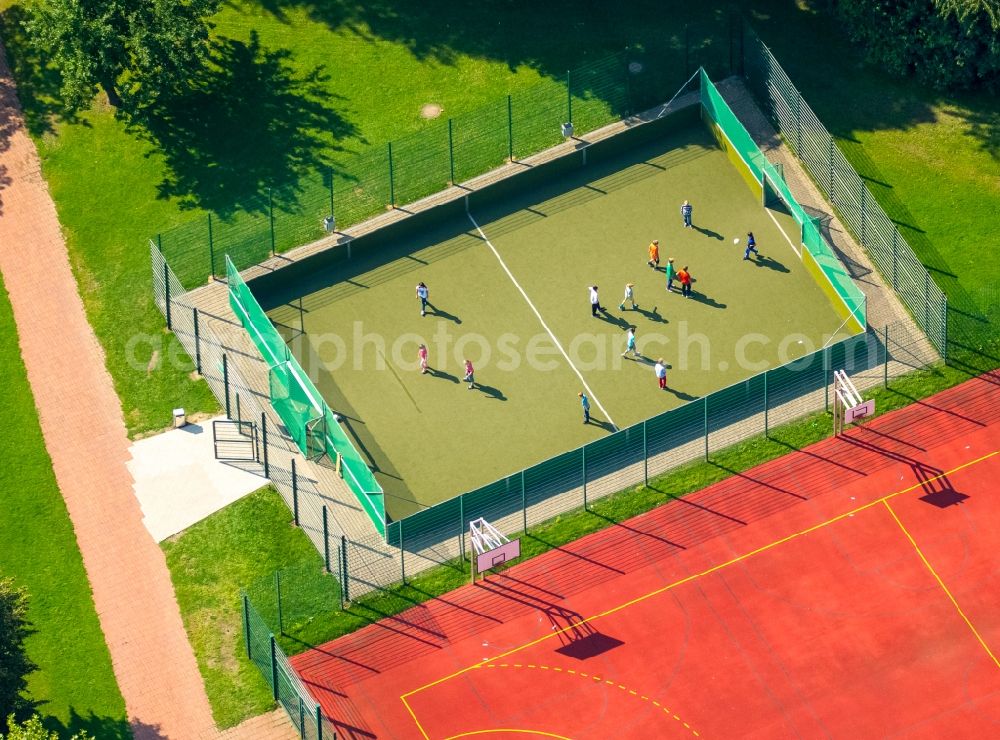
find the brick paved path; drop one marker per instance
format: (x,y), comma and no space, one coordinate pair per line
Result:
(85,435)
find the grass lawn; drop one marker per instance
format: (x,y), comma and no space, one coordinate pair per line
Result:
(74,686)
(209,564)
(931,159)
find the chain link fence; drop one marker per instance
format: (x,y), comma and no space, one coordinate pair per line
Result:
(846,191)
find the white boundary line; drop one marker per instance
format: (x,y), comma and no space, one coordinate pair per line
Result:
(540,319)
(787,238)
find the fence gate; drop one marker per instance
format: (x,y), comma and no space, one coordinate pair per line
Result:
(235,440)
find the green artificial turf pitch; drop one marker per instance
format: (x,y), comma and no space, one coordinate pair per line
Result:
(430,438)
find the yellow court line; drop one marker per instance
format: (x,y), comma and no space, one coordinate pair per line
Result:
(687,579)
(943,587)
(414,716)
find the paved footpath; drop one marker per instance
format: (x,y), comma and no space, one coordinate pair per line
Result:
(85,435)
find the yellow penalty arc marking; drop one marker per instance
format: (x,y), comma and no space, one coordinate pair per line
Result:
(539,733)
(600,680)
(943,587)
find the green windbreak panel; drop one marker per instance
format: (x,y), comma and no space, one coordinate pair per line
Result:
(355,470)
(292,404)
(255,321)
(722,115)
(831,266)
(308,419)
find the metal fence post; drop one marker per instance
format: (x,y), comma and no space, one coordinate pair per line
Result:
(451,154)
(331,195)
(197,342)
(326,541)
(166,293)
(798,124)
(885,372)
(927,304)
(569,97)
(239,414)
(319,725)
(864,215)
(645,456)
(246,624)
(270,213)
(345,581)
(225,382)
(263,436)
(402,553)
(510,129)
(274,668)
(705,405)
(826,378)
(277,593)
(831,169)
(211,246)
(767,429)
(392,180)
(944,327)
(461,526)
(524,503)
(295,494)
(895,256)
(628,84)
(583,460)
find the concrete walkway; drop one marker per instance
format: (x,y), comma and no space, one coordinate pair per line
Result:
(85,435)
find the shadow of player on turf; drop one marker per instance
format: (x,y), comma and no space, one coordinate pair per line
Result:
(770,263)
(702,298)
(605,425)
(490,391)
(708,232)
(442,314)
(653,315)
(434,372)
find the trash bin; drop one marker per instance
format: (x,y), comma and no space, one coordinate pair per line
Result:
(180,418)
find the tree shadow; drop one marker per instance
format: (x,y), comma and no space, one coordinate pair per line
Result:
(246,123)
(38,82)
(112,728)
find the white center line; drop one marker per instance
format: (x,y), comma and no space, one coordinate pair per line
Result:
(541,320)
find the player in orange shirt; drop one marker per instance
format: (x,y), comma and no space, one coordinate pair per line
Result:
(654,254)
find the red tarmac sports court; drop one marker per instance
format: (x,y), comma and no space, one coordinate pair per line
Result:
(849,589)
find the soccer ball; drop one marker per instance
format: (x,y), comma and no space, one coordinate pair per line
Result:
(736,240)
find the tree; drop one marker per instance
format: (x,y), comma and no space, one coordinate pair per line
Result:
(945,44)
(33,729)
(14,662)
(968,11)
(132,49)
